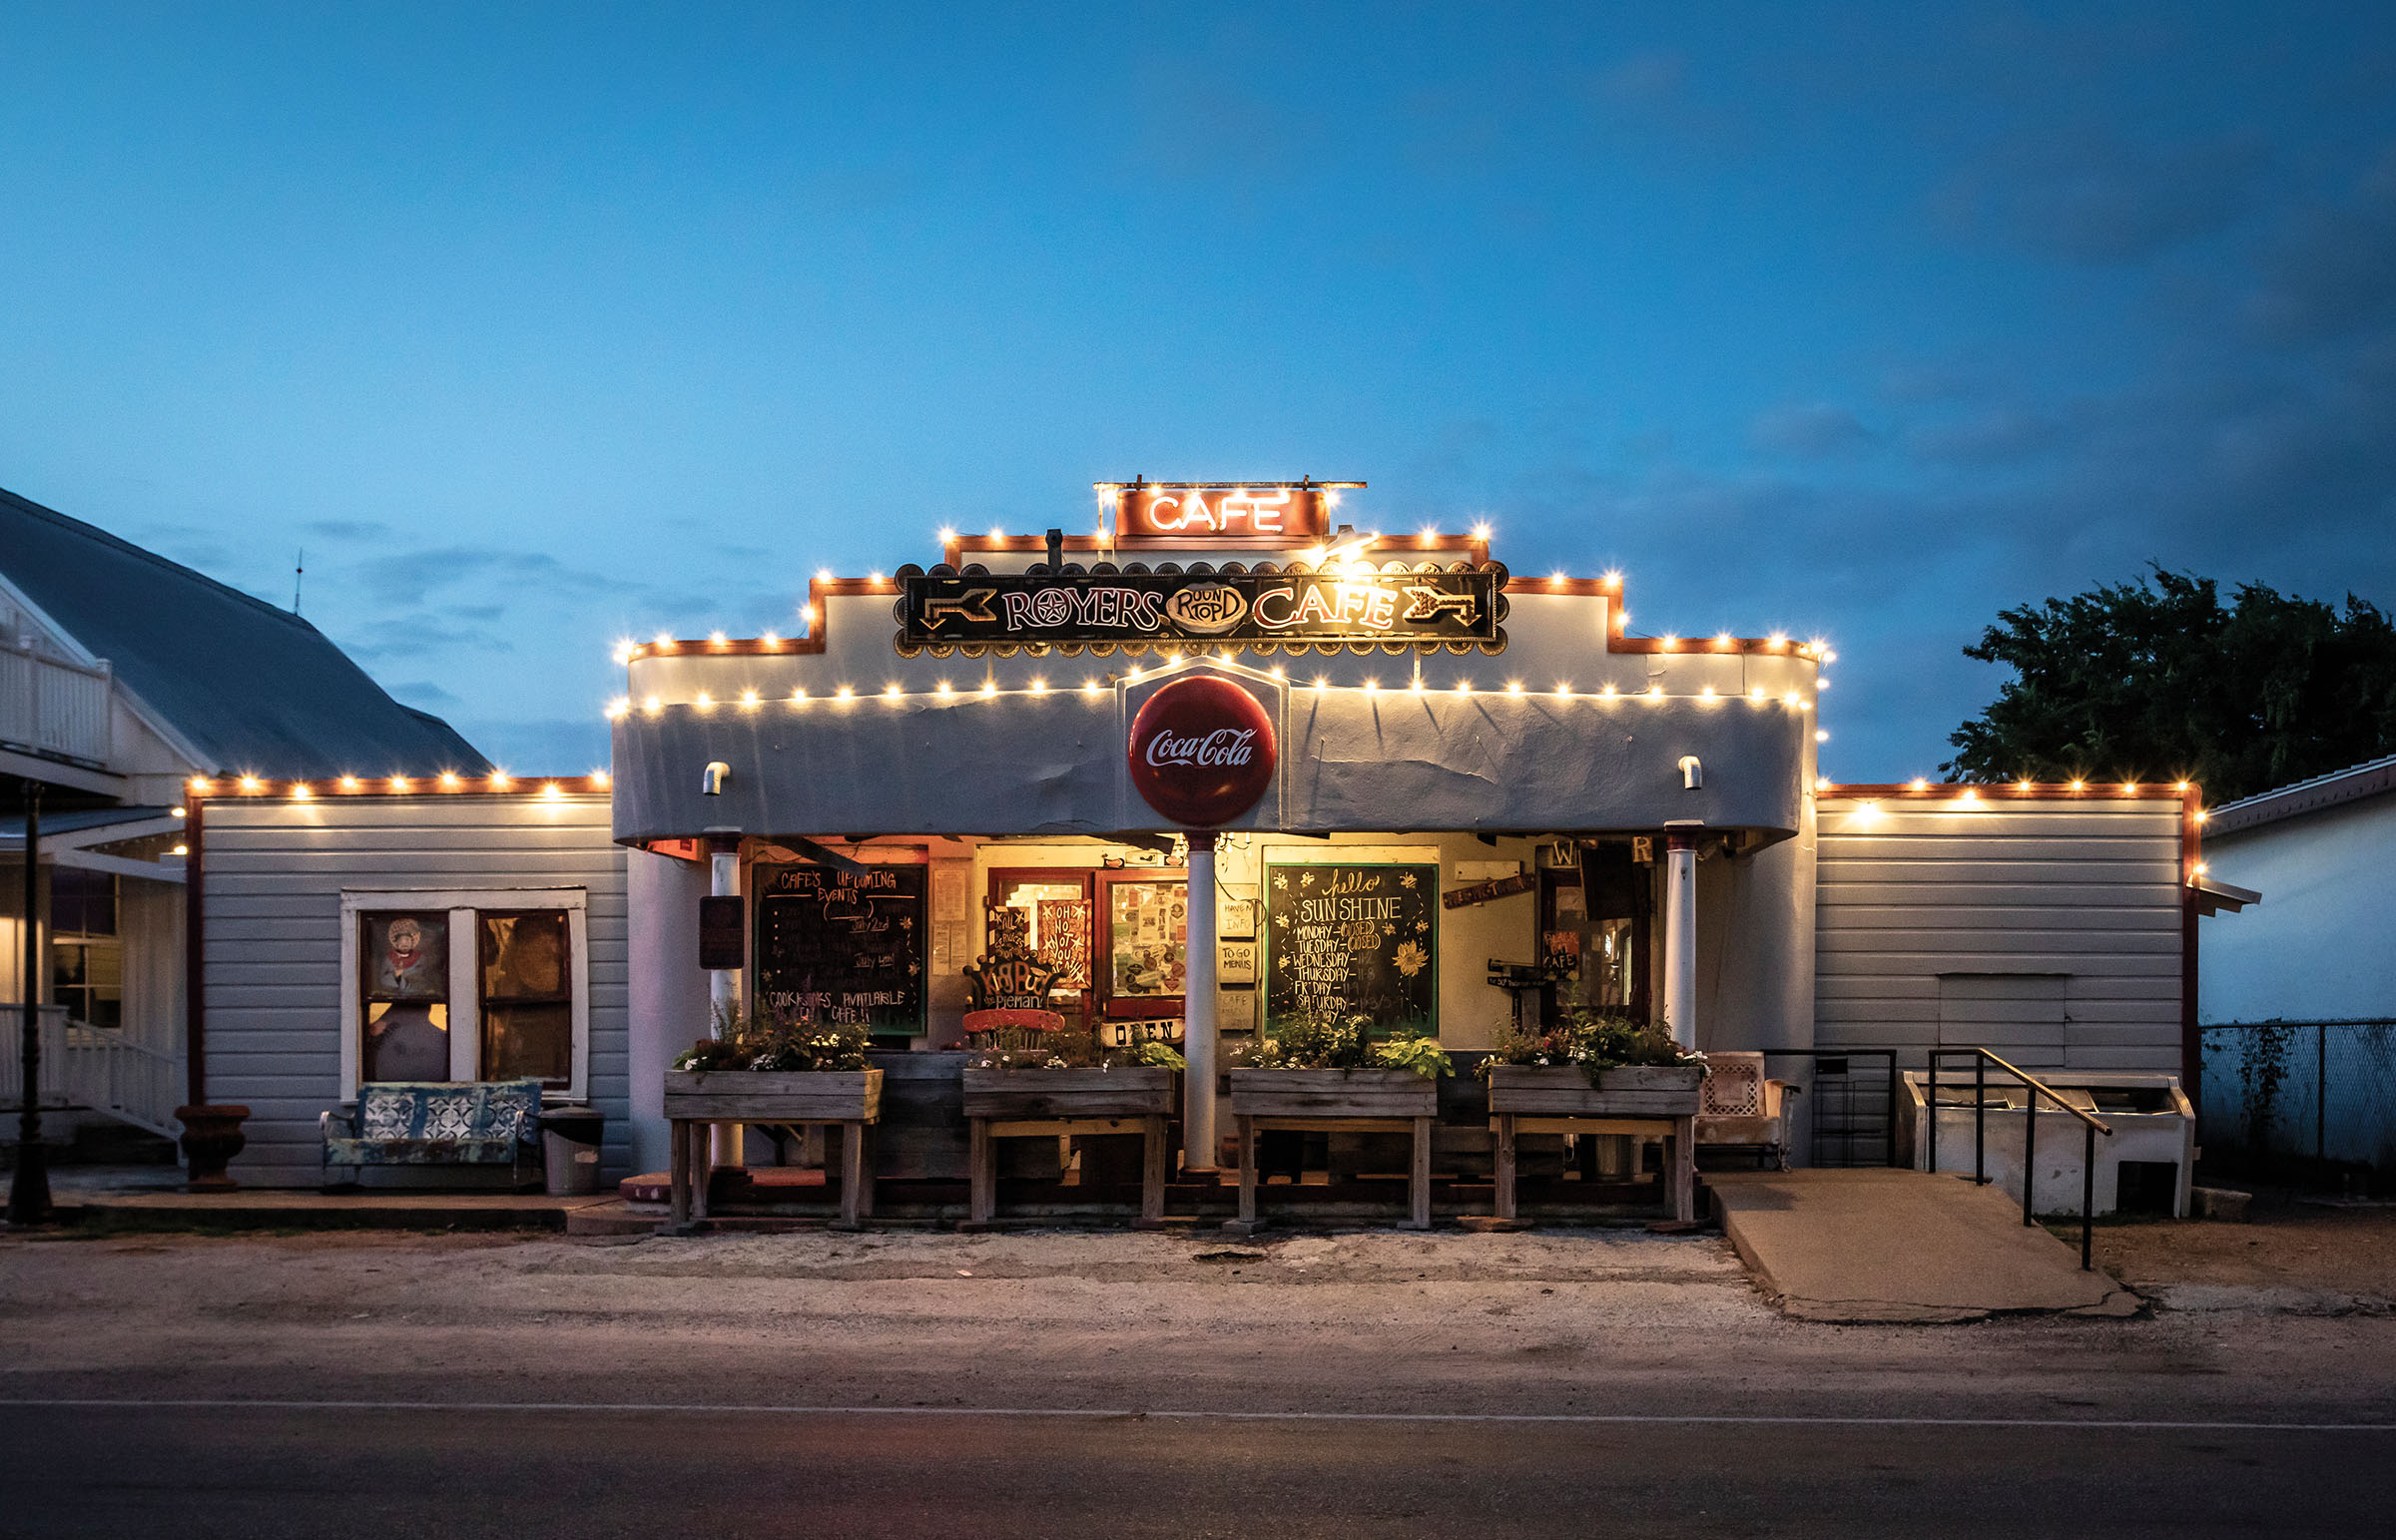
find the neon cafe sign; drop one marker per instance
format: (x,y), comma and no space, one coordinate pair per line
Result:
(1219,510)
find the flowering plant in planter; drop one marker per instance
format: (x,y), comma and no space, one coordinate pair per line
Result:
(771,1044)
(1592,1043)
(1306,1043)
(1074,1050)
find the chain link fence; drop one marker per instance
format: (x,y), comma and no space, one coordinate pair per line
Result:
(2306,1101)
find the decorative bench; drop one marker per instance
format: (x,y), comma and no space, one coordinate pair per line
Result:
(438,1123)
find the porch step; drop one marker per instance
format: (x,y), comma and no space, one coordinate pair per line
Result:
(1883,1245)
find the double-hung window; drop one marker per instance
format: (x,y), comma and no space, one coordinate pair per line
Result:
(466,985)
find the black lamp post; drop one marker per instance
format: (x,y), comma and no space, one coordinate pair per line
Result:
(29,1187)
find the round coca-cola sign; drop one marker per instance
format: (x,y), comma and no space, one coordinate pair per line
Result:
(1202,751)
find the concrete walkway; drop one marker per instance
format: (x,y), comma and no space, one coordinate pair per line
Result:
(1901,1246)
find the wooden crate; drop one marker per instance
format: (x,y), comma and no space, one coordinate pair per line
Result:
(772,1096)
(1134,1092)
(1333,1094)
(1563,1091)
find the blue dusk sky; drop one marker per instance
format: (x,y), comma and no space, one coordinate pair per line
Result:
(542,326)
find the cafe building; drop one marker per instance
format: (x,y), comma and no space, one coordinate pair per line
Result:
(1237,758)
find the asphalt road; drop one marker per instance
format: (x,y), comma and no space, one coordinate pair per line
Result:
(405,1471)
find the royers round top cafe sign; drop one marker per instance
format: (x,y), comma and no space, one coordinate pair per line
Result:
(1202,751)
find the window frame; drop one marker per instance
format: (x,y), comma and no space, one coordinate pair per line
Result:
(465,906)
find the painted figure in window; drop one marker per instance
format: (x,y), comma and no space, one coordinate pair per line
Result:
(410,963)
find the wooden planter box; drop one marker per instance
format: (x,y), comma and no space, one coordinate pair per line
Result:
(1012,1095)
(1333,1094)
(772,1096)
(1563,1091)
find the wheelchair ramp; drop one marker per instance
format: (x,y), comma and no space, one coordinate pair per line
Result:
(1901,1246)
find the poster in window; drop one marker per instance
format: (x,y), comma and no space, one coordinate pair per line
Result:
(1148,926)
(1065,940)
(842,947)
(1346,940)
(527,997)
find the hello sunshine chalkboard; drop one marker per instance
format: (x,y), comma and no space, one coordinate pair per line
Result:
(1353,939)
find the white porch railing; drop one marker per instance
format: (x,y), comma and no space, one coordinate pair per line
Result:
(92,1067)
(53,706)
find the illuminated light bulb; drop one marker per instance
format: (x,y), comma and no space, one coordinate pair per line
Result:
(1613,577)
(947,534)
(1321,683)
(1480,532)
(2130,786)
(1464,686)
(624,651)
(845,693)
(1416,685)
(799,697)
(1372,687)
(1868,814)
(2179,786)
(2079,786)
(1821,735)
(823,574)
(664,642)
(347,783)
(448,780)
(1821,782)
(1609,691)
(1655,691)
(1779,639)
(2025,782)
(1967,798)
(1919,784)
(875,579)
(748,700)
(400,782)
(1757,694)
(716,639)
(549,789)
(299,792)
(703,700)
(249,783)
(1040,686)
(770,639)
(1790,698)
(2202,815)
(1090,685)
(199,782)
(1722,638)
(500,780)
(945,690)
(1815,645)
(1430,534)
(2200,868)
(989,687)
(602,780)
(997,533)
(1278,671)
(618,706)
(1671,641)
(178,812)
(1621,617)
(1563,687)
(1556,579)
(180,851)
(1707,693)
(1829,657)
(1820,682)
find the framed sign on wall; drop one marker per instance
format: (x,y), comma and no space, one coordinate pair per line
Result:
(842,947)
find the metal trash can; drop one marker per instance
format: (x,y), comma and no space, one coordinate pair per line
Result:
(570,1150)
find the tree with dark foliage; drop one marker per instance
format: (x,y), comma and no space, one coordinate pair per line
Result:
(2157,680)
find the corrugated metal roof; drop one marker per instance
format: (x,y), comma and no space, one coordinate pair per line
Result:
(254,689)
(2339,786)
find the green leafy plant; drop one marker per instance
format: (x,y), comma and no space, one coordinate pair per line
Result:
(1422,1055)
(1592,1042)
(1312,1043)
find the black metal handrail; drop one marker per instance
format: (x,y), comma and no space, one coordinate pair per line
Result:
(1982,1058)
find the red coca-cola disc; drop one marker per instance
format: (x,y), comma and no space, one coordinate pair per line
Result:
(1202,751)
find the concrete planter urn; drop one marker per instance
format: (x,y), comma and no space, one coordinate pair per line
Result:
(211,1136)
(1376,1093)
(1563,1091)
(775,1096)
(1133,1091)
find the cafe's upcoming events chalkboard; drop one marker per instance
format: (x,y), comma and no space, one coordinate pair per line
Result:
(842,947)
(1353,939)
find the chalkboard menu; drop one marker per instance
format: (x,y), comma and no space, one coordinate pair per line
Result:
(842,947)
(1354,939)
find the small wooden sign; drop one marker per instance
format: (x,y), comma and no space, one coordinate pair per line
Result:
(1235,1010)
(1237,964)
(1483,893)
(723,933)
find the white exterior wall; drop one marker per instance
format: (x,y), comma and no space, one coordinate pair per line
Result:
(2047,931)
(274,875)
(2316,947)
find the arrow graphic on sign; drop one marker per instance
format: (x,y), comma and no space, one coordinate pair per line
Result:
(1432,602)
(975,605)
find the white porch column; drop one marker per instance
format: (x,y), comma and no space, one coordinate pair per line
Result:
(668,993)
(1680,934)
(1198,1141)
(724,989)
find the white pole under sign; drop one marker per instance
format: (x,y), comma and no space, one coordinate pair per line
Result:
(1198,1011)
(1680,934)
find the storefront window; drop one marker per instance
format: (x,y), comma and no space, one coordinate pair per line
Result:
(406,989)
(527,997)
(1593,922)
(1147,945)
(1055,911)
(87,961)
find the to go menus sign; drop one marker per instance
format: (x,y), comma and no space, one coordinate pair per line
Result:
(1352,940)
(842,947)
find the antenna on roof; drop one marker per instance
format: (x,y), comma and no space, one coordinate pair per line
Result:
(299,571)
